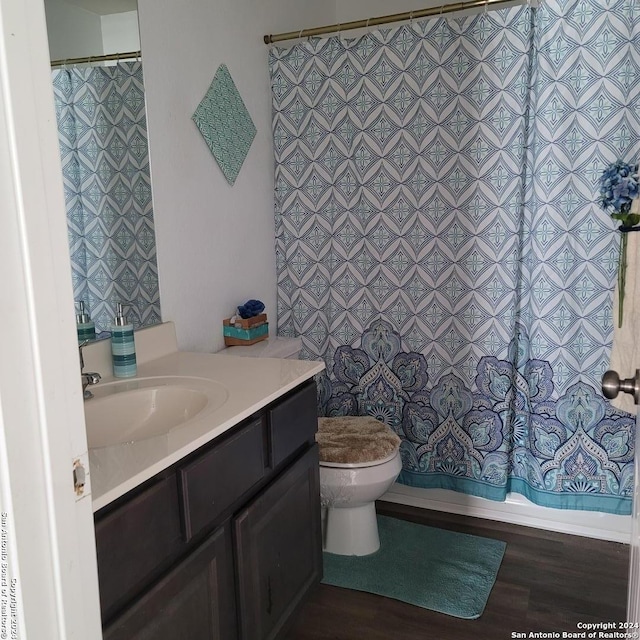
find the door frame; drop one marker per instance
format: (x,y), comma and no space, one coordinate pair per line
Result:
(633,590)
(46,529)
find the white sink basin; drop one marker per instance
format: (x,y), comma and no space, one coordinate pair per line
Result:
(132,410)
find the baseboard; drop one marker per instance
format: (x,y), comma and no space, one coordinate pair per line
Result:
(516,510)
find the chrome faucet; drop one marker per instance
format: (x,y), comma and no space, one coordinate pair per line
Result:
(89,378)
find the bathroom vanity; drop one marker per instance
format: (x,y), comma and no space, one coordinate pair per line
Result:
(217,535)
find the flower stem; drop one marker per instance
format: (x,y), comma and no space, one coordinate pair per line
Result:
(622,275)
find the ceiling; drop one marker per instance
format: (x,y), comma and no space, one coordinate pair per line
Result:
(105,7)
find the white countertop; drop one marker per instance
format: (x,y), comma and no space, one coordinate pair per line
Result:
(252,383)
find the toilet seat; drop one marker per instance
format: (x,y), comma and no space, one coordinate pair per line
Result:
(359,465)
(352,442)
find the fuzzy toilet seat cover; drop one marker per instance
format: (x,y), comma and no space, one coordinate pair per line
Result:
(354,440)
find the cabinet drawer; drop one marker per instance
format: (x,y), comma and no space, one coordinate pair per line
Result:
(293,423)
(216,479)
(135,541)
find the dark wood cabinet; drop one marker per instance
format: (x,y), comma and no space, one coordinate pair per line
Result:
(194,601)
(218,478)
(293,423)
(136,542)
(224,544)
(278,554)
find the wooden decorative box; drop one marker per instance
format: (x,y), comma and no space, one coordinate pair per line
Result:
(245,331)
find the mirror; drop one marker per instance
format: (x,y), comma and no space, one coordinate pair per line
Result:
(101,118)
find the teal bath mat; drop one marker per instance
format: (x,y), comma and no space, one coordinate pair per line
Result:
(444,571)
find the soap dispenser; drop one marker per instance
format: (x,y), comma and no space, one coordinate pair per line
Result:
(123,348)
(84,325)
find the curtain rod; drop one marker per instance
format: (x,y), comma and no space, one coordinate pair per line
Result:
(104,58)
(395,17)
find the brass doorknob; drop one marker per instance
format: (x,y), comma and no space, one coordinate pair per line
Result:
(612,385)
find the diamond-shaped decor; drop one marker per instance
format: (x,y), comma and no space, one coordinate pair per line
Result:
(225,124)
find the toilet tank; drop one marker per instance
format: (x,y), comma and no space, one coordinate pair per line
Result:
(274,347)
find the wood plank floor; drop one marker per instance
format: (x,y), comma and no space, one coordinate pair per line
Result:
(547,582)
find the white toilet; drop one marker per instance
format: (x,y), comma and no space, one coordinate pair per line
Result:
(359,461)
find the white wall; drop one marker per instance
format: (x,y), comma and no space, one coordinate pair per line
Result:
(347,10)
(215,242)
(73,32)
(120,32)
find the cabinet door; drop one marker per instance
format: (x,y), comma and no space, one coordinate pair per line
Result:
(136,543)
(193,602)
(279,549)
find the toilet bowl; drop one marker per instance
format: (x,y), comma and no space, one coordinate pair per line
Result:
(348,490)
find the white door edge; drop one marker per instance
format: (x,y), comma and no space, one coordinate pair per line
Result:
(48,574)
(633,593)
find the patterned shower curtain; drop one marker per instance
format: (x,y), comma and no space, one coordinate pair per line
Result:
(439,242)
(102,133)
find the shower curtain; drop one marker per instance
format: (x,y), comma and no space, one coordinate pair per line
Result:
(439,242)
(102,133)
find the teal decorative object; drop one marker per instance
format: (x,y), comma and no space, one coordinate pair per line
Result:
(251,333)
(444,571)
(225,124)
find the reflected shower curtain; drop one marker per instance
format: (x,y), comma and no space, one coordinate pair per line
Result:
(102,133)
(439,243)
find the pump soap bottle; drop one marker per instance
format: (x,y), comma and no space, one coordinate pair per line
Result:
(123,348)
(85,325)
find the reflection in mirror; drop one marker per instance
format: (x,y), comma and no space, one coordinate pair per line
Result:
(102,134)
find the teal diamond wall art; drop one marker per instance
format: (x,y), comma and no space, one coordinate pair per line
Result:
(225,124)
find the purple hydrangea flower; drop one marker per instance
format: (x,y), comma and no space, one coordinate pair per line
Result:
(619,186)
